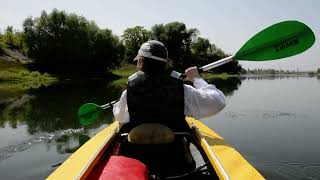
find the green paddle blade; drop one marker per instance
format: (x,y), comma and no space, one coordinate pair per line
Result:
(88,113)
(278,41)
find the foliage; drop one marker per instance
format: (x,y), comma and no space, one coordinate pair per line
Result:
(125,71)
(20,79)
(205,53)
(23,75)
(13,39)
(2,41)
(187,49)
(132,40)
(15,77)
(177,39)
(318,71)
(67,43)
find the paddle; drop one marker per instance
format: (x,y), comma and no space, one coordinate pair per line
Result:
(281,40)
(89,112)
(278,41)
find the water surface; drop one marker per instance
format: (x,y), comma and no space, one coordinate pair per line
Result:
(272,121)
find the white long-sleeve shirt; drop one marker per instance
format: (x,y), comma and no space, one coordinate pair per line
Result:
(202,100)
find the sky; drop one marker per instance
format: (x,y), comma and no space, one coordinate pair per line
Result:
(226,23)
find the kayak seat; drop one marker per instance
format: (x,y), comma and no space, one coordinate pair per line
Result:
(151,133)
(164,152)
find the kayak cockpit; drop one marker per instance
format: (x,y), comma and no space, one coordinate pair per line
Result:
(215,159)
(163,160)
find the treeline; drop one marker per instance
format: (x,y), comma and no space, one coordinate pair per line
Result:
(64,43)
(274,71)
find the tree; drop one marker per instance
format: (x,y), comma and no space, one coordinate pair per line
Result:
(187,49)
(10,40)
(206,53)
(177,39)
(201,47)
(13,39)
(70,44)
(132,40)
(2,42)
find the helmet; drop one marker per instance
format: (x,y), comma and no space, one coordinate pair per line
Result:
(154,50)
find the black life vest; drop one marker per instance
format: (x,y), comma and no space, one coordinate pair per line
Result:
(157,99)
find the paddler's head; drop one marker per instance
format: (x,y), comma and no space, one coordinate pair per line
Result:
(152,57)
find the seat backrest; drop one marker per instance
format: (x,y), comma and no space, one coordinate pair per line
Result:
(151,133)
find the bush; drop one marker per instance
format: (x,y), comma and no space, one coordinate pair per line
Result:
(67,43)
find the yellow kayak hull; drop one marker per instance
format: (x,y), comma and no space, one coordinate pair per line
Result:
(226,161)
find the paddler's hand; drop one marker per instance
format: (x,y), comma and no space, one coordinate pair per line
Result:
(192,73)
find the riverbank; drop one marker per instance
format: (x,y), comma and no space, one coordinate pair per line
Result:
(123,72)
(14,76)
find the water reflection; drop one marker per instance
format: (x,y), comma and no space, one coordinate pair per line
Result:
(227,86)
(49,115)
(69,144)
(274,77)
(54,108)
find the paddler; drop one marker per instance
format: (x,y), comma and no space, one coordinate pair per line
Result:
(154,95)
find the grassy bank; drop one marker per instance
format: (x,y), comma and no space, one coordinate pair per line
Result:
(13,76)
(124,72)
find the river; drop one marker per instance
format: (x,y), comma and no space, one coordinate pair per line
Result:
(273,121)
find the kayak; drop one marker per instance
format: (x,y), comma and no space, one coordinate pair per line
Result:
(221,160)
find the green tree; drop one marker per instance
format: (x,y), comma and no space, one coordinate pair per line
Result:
(132,40)
(201,47)
(177,39)
(70,44)
(2,42)
(10,39)
(13,39)
(186,48)
(205,53)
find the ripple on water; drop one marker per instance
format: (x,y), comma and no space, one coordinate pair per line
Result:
(296,171)
(8,151)
(260,114)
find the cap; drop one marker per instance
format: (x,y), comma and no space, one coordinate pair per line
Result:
(154,50)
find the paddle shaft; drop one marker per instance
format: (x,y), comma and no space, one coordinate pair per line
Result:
(109,104)
(205,68)
(106,106)
(216,64)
